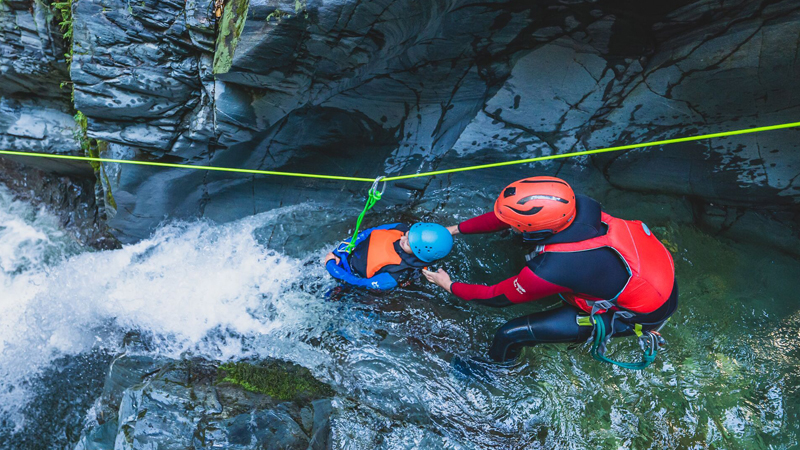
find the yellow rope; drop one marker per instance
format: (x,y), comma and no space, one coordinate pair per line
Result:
(185,166)
(415,175)
(600,150)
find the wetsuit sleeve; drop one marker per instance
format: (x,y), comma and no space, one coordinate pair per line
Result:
(525,287)
(485,223)
(381,281)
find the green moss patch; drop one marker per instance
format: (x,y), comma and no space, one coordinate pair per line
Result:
(234,14)
(94,148)
(278,379)
(63,11)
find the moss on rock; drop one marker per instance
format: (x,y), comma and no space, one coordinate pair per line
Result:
(279,379)
(234,14)
(94,148)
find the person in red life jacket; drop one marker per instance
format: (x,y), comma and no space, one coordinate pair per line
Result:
(387,256)
(597,263)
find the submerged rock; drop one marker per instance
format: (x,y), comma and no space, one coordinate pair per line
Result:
(196,404)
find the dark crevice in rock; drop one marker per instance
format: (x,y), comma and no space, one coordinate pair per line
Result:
(70,197)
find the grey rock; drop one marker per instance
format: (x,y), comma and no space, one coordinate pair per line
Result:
(181,404)
(137,69)
(728,74)
(778,229)
(100,438)
(291,99)
(389,87)
(36,116)
(37,125)
(31,51)
(66,190)
(35,112)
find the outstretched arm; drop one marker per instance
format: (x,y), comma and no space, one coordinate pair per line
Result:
(525,287)
(485,223)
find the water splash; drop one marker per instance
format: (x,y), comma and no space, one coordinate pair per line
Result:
(728,377)
(191,287)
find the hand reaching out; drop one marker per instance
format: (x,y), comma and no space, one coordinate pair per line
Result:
(439,278)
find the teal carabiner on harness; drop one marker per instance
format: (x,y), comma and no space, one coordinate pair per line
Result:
(650,350)
(372,197)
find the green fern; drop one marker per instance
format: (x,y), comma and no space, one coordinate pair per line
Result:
(64,10)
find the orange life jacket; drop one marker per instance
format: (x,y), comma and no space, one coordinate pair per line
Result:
(381,252)
(650,266)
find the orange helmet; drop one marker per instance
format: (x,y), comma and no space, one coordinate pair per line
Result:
(537,206)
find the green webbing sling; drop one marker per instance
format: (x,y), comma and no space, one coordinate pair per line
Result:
(372,197)
(649,353)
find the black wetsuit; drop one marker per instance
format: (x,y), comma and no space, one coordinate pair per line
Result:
(599,273)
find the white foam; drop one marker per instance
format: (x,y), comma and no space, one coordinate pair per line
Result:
(192,287)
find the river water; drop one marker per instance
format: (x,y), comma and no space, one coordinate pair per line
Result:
(728,378)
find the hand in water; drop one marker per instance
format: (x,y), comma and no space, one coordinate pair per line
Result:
(329,257)
(439,278)
(453,230)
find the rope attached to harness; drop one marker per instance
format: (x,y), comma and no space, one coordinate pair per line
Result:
(372,197)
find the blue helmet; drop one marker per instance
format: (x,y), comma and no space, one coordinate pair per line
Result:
(430,241)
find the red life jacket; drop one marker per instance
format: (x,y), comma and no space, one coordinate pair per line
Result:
(650,267)
(381,252)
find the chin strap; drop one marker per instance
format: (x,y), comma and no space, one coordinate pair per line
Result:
(372,197)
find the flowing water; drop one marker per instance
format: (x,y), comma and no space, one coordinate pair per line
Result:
(728,378)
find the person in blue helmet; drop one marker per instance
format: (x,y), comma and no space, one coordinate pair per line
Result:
(389,255)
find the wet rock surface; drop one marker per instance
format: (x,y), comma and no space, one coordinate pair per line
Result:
(69,191)
(138,70)
(31,50)
(594,88)
(149,403)
(35,112)
(389,87)
(36,115)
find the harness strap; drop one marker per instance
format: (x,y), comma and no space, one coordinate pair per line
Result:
(649,341)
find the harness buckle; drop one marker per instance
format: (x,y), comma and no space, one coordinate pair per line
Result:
(624,314)
(599,305)
(650,341)
(584,321)
(536,252)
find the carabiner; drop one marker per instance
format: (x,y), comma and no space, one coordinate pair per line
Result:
(374,187)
